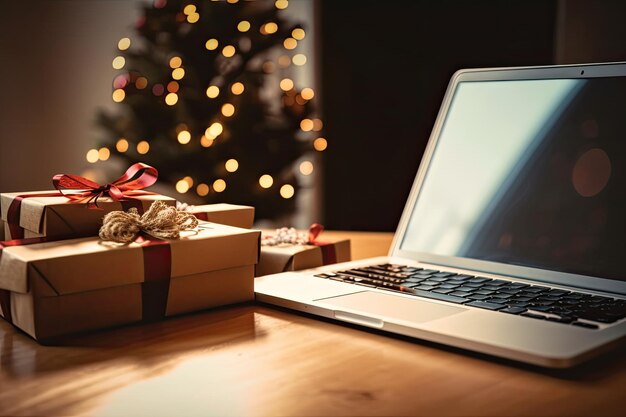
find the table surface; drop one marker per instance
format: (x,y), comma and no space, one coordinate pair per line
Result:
(253,359)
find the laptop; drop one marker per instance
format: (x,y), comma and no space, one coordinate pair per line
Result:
(512,241)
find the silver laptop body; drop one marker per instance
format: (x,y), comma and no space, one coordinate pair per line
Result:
(522,181)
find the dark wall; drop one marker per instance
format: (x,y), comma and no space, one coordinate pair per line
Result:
(385,68)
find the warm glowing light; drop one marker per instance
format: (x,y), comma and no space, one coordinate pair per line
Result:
(120,81)
(118,62)
(237,88)
(320,144)
(141,83)
(211,44)
(284,61)
(231,165)
(92,156)
(178,73)
(182,186)
(214,130)
(123,44)
(298,33)
(281,4)
(306,168)
(269,28)
(189,9)
(307,93)
(176,62)
(158,89)
(104,154)
(306,125)
(219,185)
(184,137)
(205,142)
(228,51)
(213,91)
(173,87)
(286,84)
(232,1)
(317,125)
(188,180)
(121,145)
(290,43)
(118,95)
(266,181)
(143,147)
(287,191)
(171,99)
(202,190)
(228,110)
(300,100)
(243,26)
(193,18)
(299,59)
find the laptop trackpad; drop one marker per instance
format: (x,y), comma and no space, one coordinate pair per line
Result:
(390,307)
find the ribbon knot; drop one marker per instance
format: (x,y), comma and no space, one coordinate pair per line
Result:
(160,221)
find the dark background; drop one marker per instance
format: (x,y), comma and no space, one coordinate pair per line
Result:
(385,66)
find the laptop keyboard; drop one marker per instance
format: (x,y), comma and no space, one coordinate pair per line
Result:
(532,301)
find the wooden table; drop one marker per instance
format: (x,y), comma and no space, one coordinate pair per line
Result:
(251,359)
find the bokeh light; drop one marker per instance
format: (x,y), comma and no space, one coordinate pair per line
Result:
(298,34)
(202,189)
(307,93)
(306,167)
(287,191)
(143,147)
(228,51)
(219,185)
(231,165)
(243,26)
(184,137)
(171,99)
(299,59)
(212,44)
(237,88)
(123,44)
(320,144)
(121,145)
(286,84)
(228,110)
(213,91)
(182,186)
(176,62)
(178,73)
(118,95)
(104,154)
(306,125)
(266,181)
(118,62)
(92,156)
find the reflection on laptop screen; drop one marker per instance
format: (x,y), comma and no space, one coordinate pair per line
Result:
(531,173)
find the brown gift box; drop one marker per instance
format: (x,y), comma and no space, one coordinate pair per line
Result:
(230,214)
(58,216)
(288,257)
(57,288)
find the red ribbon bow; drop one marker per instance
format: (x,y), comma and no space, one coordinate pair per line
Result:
(137,177)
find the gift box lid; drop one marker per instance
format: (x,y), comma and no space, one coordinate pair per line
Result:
(293,257)
(230,214)
(59,209)
(78,265)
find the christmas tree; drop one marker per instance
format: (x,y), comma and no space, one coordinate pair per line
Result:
(203,99)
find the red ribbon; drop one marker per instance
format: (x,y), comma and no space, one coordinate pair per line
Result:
(15,208)
(137,177)
(329,254)
(201,216)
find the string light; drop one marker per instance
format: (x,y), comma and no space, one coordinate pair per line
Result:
(189,181)
(123,44)
(228,51)
(158,90)
(269,28)
(298,34)
(213,91)
(212,44)
(141,83)
(300,100)
(182,186)
(118,62)
(237,88)
(193,18)
(243,26)
(299,59)
(281,4)
(178,73)
(290,43)
(104,154)
(228,110)
(184,137)
(176,62)
(214,130)
(317,125)
(121,145)
(118,95)
(202,189)
(189,9)
(287,191)
(306,125)
(232,1)
(306,168)
(205,142)
(320,144)
(266,181)
(92,156)
(286,84)
(219,185)
(173,87)
(307,93)
(231,165)
(171,99)
(143,147)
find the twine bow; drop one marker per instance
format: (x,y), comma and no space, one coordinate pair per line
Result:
(160,221)
(290,236)
(80,189)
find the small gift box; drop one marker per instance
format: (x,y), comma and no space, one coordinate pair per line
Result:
(289,250)
(230,214)
(60,287)
(77,207)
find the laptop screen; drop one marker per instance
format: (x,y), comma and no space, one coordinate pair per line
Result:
(529,173)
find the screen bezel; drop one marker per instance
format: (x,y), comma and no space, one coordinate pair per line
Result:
(584,71)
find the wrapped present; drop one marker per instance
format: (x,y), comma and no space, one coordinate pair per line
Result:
(53,288)
(289,250)
(77,206)
(230,214)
